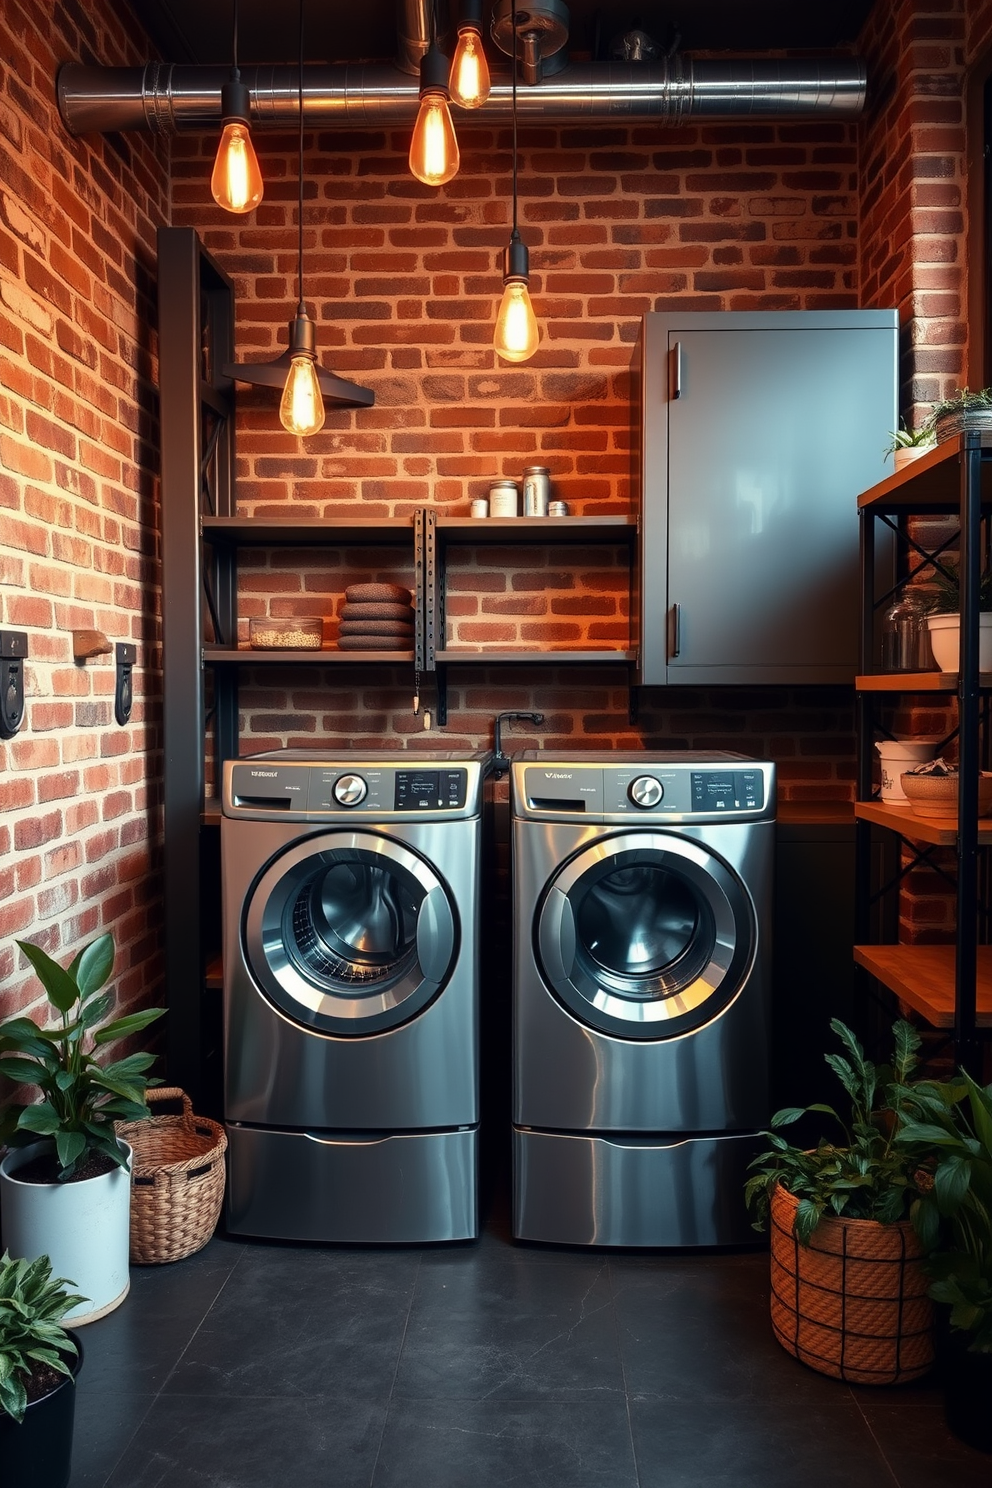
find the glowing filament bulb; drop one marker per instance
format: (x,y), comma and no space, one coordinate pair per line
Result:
(434,155)
(301,409)
(469,82)
(236,182)
(516,336)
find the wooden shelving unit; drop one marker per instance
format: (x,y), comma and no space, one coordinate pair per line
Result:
(325,656)
(950,986)
(494,656)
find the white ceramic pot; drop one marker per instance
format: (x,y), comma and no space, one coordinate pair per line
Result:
(84,1228)
(896,756)
(946,646)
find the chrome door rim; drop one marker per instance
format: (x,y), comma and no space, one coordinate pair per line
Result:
(280,977)
(600,998)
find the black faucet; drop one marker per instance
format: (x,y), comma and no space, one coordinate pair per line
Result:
(500,761)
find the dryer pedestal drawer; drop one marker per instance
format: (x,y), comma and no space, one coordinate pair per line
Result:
(381,1190)
(630,1190)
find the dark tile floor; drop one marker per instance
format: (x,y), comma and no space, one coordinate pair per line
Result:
(259,1366)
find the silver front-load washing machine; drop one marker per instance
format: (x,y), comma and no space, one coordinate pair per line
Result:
(642,972)
(351,995)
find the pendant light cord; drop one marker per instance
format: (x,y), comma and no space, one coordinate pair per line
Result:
(234,44)
(513,105)
(301,308)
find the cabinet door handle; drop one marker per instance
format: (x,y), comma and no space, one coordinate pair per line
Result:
(676,370)
(676,645)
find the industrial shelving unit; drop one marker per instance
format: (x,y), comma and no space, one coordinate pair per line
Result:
(948,986)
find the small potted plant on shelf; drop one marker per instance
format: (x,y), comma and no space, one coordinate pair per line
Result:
(964,410)
(907,445)
(849,1293)
(953,1217)
(65,1185)
(39,1361)
(944,617)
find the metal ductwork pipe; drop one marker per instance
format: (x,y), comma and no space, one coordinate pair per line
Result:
(168,98)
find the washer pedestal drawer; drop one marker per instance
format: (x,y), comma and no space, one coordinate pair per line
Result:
(352,1188)
(594,1189)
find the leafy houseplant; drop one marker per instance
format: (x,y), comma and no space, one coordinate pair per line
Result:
(81,1099)
(39,1360)
(866,1176)
(33,1343)
(849,1295)
(65,1185)
(904,439)
(944,618)
(964,410)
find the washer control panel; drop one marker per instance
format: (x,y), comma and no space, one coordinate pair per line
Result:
(645,791)
(268,787)
(350,790)
(646,788)
(430,790)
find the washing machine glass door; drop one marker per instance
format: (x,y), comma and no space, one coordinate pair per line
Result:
(350,933)
(645,935)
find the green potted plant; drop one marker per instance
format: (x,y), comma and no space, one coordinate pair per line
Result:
(849,1294)
(944,617)
(906,445)
(953,1217)
(963,410)
(65,1183)
(39,1361)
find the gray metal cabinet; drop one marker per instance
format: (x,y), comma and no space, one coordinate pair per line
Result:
(756,433)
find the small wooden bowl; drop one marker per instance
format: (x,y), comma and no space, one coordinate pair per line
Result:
(937,795)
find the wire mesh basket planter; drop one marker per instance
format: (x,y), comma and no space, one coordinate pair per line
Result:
(177,1179)
(852,1304)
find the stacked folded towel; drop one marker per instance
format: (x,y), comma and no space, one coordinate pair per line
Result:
(376,617)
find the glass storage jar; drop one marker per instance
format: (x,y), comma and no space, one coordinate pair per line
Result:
(905,645)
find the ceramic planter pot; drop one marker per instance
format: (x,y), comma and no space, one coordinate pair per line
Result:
(853,1303)
(906,454)
(37,1452)
(946,646)
(83,1227)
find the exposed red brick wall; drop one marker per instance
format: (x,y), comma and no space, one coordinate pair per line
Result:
(78,504)
(404,283)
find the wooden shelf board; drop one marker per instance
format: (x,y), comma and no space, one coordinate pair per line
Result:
(504,530)
(923,976)
(934,481)
(942,831)
(815,813)
(492,656)
(327,656)
(276,531)
(914,681)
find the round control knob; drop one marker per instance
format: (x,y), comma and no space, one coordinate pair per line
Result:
(350,790)
(645,791)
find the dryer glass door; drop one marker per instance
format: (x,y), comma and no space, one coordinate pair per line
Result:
(349,932)
(645,935)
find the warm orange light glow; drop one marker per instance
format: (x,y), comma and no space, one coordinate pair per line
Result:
(236,182)
(301,408)
(469,82)
(434,156)
(516,335)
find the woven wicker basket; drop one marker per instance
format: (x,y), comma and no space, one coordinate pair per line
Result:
(853,1303)
(177,1180)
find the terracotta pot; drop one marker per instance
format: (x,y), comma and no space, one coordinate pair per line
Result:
(853,1303)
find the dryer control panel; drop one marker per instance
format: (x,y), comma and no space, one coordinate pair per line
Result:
(268,787)
(645,788)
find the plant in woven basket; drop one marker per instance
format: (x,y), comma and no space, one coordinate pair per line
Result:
(81,1098)
(33,1344)
(964,401)
(953,1214)
(867,1175)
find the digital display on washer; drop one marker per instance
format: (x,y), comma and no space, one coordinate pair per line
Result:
(727,790)
(430,790)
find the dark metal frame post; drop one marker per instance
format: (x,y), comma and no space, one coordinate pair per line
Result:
(969,703)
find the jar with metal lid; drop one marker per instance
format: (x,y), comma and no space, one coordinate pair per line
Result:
(503,497)
(904,636)
(537,489)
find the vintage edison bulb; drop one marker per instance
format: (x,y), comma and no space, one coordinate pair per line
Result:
(469,82)
(434,155)
(516,335)
(301,408)
(236,182)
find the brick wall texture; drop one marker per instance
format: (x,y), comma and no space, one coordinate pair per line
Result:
(403,282)
(79,796)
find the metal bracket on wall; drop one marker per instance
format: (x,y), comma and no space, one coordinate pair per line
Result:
(430,593)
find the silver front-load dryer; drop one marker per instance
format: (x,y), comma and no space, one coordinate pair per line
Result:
(642,901)
(350,903)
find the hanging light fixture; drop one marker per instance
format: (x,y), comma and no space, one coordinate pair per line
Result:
(469,81)
(236,181)
(516,336)
(434,157)
(301,408)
